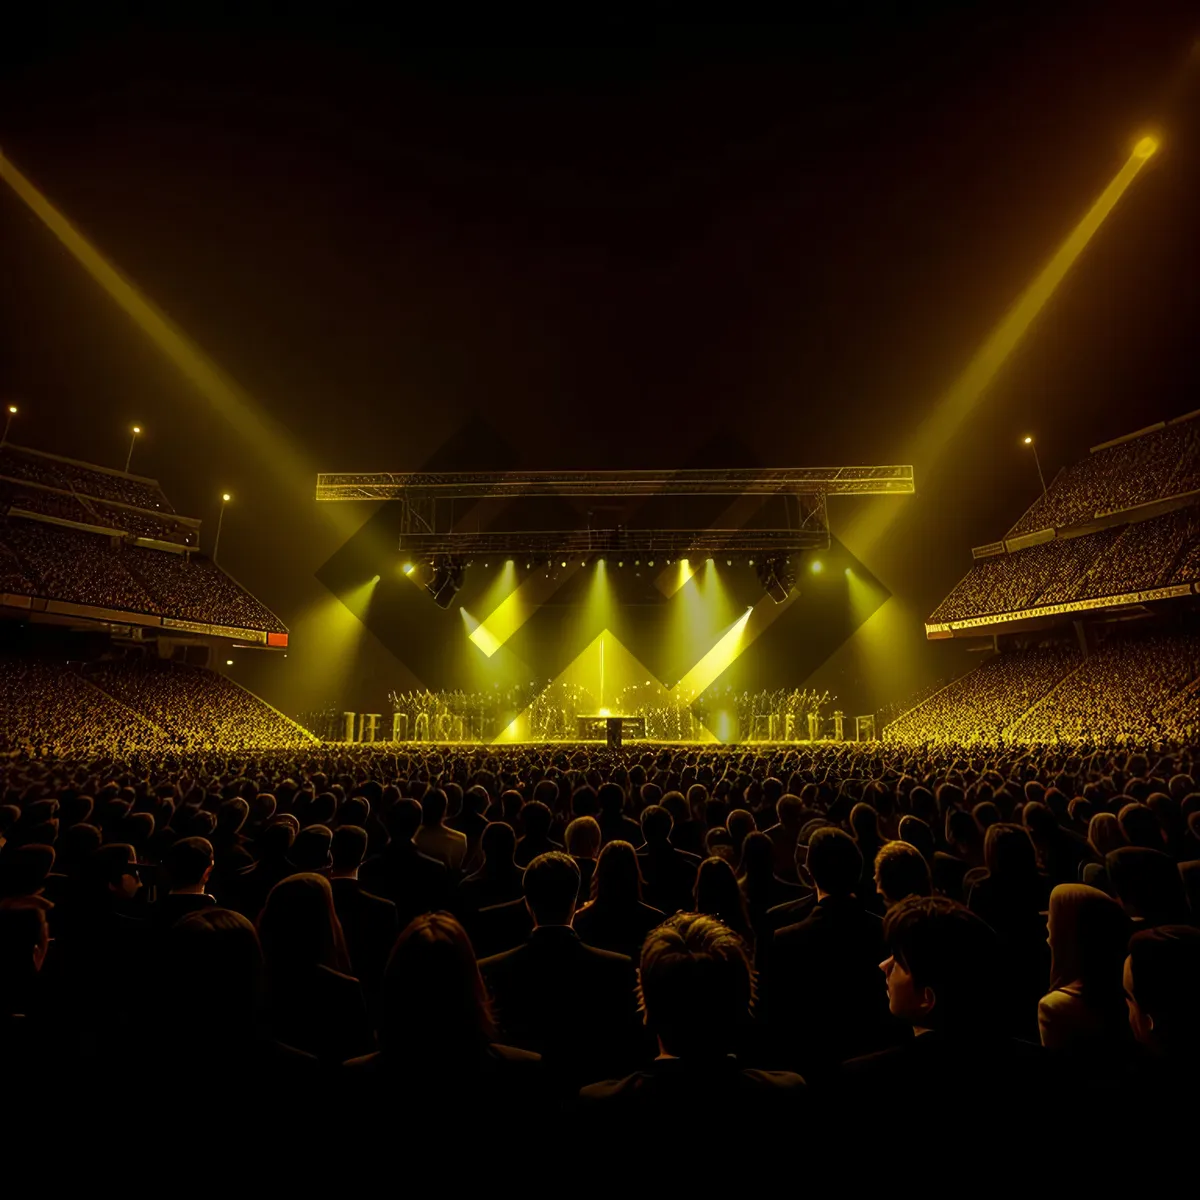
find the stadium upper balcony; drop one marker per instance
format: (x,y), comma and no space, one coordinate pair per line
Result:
(1119,528)
(89,544)
(1140,468)
(82,479)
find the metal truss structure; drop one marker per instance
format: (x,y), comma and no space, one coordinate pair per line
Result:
(573,543)
(477,485)
(429,531)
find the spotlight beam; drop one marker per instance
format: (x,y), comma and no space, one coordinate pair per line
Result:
(960,399)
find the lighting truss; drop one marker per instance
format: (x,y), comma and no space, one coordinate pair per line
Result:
(831,481)
(570,543)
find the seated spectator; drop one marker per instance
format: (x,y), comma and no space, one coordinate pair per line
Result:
(216,1030)
(1083,1014)
(311,851)
(917,832)
(1059,850)
(414,882)
(864,828)
(762,889)
(1140,827)
(615,917)
(1162,993)
(471,822)
(696,987)
(434,837)
(900,872)
(438,1047)
(614,824)
(741,825)
(790,814)
(536,820)
(939,973)
(1148,885)
(568,1001)
(316,1004)
(669,873)
(823,1000)
(1103,835)
(368,921)
(582,837)
(498,879)
(189,863)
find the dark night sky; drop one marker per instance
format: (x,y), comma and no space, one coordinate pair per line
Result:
(611,247)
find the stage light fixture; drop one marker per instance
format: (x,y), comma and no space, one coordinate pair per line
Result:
(817,566)
(1146,146)
(447,579)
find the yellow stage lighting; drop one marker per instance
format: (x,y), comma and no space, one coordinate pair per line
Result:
(137,429)
(1146,146)
(226,497)
(1029,441)
(817,568)
(408,568)
(12,408)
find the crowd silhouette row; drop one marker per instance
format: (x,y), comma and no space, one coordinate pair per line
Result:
(502,943)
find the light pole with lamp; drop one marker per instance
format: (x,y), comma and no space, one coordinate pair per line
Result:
(225,498)
(132,442)
(1042,479)
(8,416)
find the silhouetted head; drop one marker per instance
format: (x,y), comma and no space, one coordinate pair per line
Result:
(299,928)
(617,880)
(834,862)
(900,871)
(551,887)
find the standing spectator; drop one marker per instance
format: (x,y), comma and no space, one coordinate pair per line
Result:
(669,873)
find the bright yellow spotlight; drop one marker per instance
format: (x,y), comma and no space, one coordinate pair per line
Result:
(1029,441)
(137,429)
(226,497)
(408,568)
(848,572)
(604,712)
(229,662)
(1146,146)
(12,408)
(374,578)
(817,568)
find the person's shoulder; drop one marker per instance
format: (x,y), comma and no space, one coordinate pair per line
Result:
(513,1055)
(607,959)
(882,1062)
(775,1081)
(609,1090)
(504,959)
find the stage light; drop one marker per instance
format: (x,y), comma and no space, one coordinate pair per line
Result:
(848,572)
(12,409)
(563,563)
(817,568)
(374,578)
(229,662)
(604,712)
(137,429)
(1146,146)
(752,562)
(650,563)
(226,497)
(620,562)
(729,562)
(1029,441)
(408,568)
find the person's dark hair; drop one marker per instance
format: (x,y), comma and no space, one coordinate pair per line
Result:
(611,799)
(187,860)
(582,837)
(789,811)
(1148,885)
(834,861)
(435,1003)
(757,858)
(499,844)
(551,887)
(1165,969)
(717,893)
(696,985)
(656,824)
(901,871)
(1009,853)
(864,825)
(215,963)
(349,847)
(917,832)
(617,881)
(310,850)
(536,819)
(433,806)
(403,820)
(299,928)
(106,865)
(947,948)
(354,811)
(1140,826)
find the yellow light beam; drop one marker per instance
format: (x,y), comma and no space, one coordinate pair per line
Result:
(734,516)
(518,606)
(955,405)
(227,398)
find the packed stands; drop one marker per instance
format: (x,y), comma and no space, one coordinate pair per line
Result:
(979,707)
(67,475)
(1124,691)
(1163,462)
(47,708)
(196,707)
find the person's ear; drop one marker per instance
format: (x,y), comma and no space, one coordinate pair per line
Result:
(928,1000)
(207,872)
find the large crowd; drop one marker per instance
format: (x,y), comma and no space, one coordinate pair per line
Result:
(52,707)
(60,563)
(367,954)
(1134,688)
(1163,463)
(1149,554)
(16,462)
